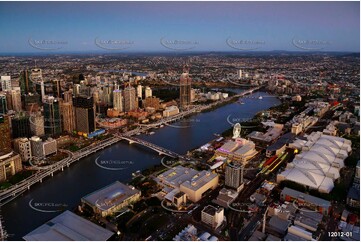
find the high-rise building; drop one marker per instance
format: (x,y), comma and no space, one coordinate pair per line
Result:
(84,110)
(5,83)
(57,88)
(130,100)
(185,89)
(16,100)
(139,91)
(36,74)
(67,116)
(239,74)
(107,95)
(212,216)
(148,92)
(118,100)
(3,104)
(5,140)
(20,125)
(52,119)
(233,176)
(37,124)
(23,147)
(40,148)
(9,101)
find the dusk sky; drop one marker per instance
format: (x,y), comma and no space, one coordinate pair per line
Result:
(77,25)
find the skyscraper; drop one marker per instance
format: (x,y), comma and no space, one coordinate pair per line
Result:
(234,176)
(16,100)
(37,124)
(84,110)
(3,105)
(139,91)
(185,89)
(5,140)
(130,100)
(118,100)
(20,124)
(67,116)
(52,119)
(148,92)
(5,83)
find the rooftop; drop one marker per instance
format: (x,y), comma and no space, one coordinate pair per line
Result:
(110,196)
(68,226)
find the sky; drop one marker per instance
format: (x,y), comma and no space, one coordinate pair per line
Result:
(178,26)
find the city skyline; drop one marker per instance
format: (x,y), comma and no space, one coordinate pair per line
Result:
(124,27)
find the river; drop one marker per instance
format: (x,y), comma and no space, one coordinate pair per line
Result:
(86,176)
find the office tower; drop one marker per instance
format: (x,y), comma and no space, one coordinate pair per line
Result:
(107,95)
(16,100)
(3,105)
(24,82)
(67,116)
(193,95)
(84,110)
(68,96)
(233,176)
(130,100)
(239,74)
(118,100)
(5,140)
(139,91)
(84,90)
(52,119)
(148,92)
(20,125)
(32,101)
(36,74)
(42,90)
(185,89)
(5,83)
(9,101)
(37,124)
(40,148)
(76,90)
(23,147)
(57,88)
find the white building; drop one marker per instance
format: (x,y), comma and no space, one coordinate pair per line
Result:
(16,99)
(139,91)
(41,149)
(319,163)
(148,92)
(23,147)
(5,83)
(118,100)
(170,111)
(212,216)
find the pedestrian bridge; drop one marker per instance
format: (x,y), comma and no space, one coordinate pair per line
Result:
(157,148)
